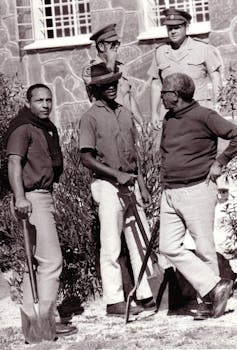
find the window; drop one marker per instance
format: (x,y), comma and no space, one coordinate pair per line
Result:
(153,19)
(60,23)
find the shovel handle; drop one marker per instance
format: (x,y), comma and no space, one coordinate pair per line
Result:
(29,257)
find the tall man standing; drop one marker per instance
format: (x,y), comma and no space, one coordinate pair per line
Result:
(189,169)
(183,54)
(107,43)
(107,144)
(34,163)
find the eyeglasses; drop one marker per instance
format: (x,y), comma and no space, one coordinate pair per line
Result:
(113,44)
(163,92)
(175,27)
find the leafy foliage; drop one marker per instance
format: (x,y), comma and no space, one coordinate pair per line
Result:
(228,95)
(149,157)
(77,224)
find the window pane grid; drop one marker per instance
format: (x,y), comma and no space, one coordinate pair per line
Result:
(198,9)
(63,18)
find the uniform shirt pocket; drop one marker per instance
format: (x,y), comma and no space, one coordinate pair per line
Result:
(196,67)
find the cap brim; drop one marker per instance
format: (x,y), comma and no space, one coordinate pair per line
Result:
(112,38)
(174,22)
(105,79)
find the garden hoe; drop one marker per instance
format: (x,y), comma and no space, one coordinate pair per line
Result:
(38,323)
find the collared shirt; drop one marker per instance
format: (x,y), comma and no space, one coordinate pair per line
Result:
(111,134)
(124,86)
(29,142)
(194,58)
(189,144)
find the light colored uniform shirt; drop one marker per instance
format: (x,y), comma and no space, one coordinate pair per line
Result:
(194,58)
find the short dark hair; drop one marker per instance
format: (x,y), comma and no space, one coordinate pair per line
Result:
(33,87)
(183,84)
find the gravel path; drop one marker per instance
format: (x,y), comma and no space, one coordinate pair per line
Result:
(146,331)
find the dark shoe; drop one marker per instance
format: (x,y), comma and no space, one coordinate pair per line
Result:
(65,330)
(147,304)
(119,309)
(69,307)
(219,296)
(204,311)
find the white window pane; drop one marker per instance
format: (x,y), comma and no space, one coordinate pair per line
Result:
(154,20)
(61,18)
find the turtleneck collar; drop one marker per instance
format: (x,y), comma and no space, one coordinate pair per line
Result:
(182,111)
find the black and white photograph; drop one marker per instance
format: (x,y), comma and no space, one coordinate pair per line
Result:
(118,174)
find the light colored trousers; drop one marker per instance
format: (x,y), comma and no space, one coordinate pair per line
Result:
(111,216)
(48,252)
(191,208)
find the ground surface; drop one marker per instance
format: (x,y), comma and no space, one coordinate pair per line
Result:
(147,331)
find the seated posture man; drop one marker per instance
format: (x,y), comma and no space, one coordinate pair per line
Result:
(34,164)
(189,169)
(184,54)
(107,143)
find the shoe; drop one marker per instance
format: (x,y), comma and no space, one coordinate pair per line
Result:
(204,311)
(119,309)
(65,330)
(147,304)
(219,296)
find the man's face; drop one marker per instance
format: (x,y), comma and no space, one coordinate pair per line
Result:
(40,103)
(169,96)
(110,49)
(108,92)
(177,33)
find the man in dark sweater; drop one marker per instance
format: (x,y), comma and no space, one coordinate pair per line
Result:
(189,169)
(35,163)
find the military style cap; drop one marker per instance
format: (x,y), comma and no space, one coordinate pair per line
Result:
(100,74)
(107,33)
(174,16)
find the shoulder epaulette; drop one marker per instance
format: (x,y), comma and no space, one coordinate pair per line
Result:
(161,44)
(204,41)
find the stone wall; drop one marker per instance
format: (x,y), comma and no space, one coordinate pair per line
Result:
(61,69)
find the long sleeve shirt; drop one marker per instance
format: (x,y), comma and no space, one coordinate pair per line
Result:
(189,144)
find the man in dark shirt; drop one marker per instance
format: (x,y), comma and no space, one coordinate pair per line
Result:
(34,164)
(107,143)
(189,169)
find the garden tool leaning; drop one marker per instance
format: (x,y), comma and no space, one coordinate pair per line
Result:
(156,277)
(38,320)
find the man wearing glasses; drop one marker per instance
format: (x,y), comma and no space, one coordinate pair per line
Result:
(187,55)
(107,43)
(189,169)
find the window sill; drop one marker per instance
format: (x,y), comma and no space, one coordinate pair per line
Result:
(161,32)
(59,42)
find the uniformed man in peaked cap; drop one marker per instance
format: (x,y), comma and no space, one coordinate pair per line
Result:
(184,54)
(107,42)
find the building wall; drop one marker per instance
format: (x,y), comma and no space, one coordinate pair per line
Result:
(61,69)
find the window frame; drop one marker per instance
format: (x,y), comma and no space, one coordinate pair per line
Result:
(160,32)
(40,43)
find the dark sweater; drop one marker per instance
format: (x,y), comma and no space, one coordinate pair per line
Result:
(189,144)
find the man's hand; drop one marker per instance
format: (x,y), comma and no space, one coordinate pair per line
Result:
(23,206)
(125,178)
(145,195)
(215,172)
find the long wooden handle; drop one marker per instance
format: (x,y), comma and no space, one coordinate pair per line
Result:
(29,257)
